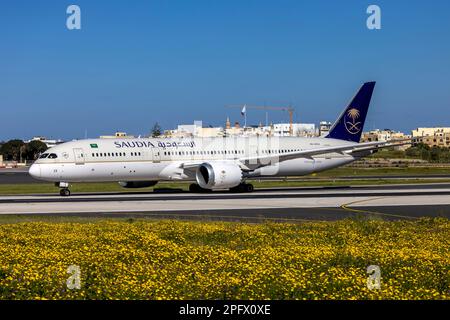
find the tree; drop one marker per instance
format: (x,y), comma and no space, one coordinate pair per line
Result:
(34,148)
(435,154)
(156,130)
(413,152)
(13,149)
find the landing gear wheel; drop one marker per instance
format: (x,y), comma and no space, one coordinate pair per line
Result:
(243,187)
(194,187)
(249,187)
(64,192)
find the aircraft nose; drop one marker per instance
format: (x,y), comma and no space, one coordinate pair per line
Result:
(35,171)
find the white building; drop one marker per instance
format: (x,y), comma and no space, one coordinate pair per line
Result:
(324,128)
(298,129)
(48,142)
(278,129)
(194,130)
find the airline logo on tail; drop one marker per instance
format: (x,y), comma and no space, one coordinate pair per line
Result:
(351,124)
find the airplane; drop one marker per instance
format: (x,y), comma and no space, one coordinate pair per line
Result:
(213,163)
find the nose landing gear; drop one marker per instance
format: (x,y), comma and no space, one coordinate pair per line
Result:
(64,192)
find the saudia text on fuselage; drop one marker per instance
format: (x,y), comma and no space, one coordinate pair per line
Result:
(154,144)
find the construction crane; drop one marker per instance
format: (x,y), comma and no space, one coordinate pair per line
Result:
(289,109)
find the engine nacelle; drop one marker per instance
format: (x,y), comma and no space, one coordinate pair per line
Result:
(137,184)
(218,175)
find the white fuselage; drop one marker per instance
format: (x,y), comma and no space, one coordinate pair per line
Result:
(153,159)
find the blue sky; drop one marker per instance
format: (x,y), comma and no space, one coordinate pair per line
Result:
(137,62)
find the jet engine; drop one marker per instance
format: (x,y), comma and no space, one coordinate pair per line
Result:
(218,175)
(137,184)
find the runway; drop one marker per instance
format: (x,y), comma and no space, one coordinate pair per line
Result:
(21,176)
(284,204)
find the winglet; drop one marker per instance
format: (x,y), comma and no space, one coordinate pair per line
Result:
(350,123)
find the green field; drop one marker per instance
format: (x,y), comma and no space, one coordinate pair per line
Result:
(146,259)
(407,171)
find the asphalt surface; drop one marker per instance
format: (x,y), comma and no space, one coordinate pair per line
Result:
(283,204)
(19,175)
(290,204)
(279,214)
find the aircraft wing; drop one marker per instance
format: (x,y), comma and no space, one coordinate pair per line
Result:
(261,161)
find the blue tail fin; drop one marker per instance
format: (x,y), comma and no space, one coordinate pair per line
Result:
(350,123)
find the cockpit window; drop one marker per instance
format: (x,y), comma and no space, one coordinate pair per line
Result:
(52,156)
(44,155)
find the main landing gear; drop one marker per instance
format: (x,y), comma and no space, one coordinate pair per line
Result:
(195,188)
(64,192)
(243,187)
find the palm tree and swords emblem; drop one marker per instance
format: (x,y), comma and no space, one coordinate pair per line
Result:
(350,121)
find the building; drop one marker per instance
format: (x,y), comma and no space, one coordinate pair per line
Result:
(324,128)
(422,132)
(386,135)
(48,142)
(118,134)
(298,129)
(235,130)
(194,130)
(433,137)
(277,130)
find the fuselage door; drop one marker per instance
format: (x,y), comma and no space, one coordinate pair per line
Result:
(79,155)
(156,156)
